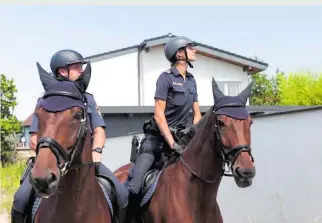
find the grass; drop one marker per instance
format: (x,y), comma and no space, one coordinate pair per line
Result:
(9,179)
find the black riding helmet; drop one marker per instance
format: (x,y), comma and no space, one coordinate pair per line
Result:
(175,44)
(64,58)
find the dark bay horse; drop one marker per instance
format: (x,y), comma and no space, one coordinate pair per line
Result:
(63,175)
(187,187)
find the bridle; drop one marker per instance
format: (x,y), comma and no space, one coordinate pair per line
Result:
(229,155)
(66,160)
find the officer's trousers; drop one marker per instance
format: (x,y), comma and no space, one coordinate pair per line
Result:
(150,151)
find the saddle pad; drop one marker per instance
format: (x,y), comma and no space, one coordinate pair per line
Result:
(107,197)
(148,195)
(35,207)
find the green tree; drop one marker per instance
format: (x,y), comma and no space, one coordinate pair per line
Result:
(300,88)
(265,90)
(10,125)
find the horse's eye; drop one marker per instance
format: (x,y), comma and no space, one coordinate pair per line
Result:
(78,115)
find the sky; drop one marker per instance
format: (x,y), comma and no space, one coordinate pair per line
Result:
(285,37)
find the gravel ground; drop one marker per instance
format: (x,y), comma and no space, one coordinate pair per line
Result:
(4,218)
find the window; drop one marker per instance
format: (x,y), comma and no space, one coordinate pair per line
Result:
(233,89)
(229,88)
(221,86)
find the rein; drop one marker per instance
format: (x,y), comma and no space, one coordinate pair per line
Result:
(65,160)
(229,155)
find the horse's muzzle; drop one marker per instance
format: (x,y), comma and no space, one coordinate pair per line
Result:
(44,186)
(244,176)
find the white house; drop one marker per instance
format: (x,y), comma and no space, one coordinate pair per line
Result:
(127,77)
(124,80)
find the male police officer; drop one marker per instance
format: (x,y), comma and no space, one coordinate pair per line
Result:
(175,95)
(68,65)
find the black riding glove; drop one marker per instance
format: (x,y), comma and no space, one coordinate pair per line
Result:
(178,148)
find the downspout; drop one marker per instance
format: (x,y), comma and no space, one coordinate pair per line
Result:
(140,78)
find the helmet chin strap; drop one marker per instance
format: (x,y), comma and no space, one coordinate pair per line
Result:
(187,60)
(68,73)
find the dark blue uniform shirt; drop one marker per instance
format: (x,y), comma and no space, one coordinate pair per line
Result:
(179,94)
(95,117)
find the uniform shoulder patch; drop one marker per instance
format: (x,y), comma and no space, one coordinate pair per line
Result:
(98,110)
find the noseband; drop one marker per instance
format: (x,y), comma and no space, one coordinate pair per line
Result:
(65,160)
(229,155)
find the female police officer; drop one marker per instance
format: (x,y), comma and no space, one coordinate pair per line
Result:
(68,65)
(175,95)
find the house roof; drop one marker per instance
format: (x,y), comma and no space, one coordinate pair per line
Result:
(253,110)
(28,121)
(252,65)
(257,111)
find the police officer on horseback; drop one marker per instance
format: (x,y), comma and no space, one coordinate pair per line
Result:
(175,95)
(66,65)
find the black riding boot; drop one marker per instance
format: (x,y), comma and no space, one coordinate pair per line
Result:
(17,217)
(122,214)
(23,198)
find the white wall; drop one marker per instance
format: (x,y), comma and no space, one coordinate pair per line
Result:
(205,68)
(114,81)
(154,63)
(117,151)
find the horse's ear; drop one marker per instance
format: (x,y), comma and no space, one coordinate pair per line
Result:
(45,78)
(246,93)
(216,91)
(83,81)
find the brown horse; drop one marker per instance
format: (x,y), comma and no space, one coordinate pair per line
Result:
(186,188)
(63,175)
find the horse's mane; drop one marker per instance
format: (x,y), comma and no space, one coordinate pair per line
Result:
(190,132)
(203,131)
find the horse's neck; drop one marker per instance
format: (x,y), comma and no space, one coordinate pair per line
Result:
(203,158)
(205,161)
(77,186)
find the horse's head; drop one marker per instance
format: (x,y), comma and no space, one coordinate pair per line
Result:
(232,130)
(62,130)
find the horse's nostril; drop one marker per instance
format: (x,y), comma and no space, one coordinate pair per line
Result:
(40,183)
(245,172)
(51,178)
